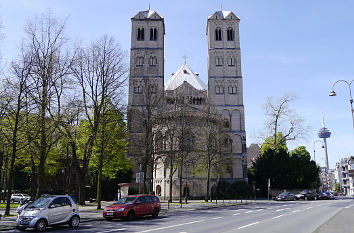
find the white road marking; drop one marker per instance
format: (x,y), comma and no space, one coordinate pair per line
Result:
(269,208)
(248,225)
(249,212)
(239,209)
(295,211)
(236,214)
(182,224)
(217,218)
(114,230)
(309,208)
(319,205)
(278,216)
(280,210)
(259,210)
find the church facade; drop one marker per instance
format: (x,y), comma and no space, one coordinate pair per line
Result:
(169,121)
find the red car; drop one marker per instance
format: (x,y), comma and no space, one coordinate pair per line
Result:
(131,206)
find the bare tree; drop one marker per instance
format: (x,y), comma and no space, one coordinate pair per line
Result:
(141,143)
(281,118)
(101,73)
(45,41)
(213,146)
(16,89)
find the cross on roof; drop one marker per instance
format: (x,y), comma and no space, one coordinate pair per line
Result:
(185,59)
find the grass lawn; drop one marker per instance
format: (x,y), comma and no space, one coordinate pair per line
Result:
(12,205)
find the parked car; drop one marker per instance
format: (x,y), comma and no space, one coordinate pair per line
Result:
(18,197)
(47,211)
(131,206)
(306,195)
(285,197)
(325,195)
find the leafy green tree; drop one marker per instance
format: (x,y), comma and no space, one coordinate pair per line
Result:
(285,170)
(337,187)
(109,149)
(269,143)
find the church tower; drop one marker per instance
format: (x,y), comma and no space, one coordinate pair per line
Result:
(225,89)
(146,63)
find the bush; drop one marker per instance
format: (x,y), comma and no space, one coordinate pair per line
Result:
(238,189)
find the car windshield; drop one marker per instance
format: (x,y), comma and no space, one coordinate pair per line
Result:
(126,200)
(283,194)
(40,202)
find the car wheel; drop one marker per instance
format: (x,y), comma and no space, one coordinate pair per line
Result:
(155,213)
(41,225)
(131,215)
(21,228)
(74,221)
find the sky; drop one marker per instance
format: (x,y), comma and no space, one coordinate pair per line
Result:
(300,47)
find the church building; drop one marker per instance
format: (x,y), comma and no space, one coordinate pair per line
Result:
(170,121)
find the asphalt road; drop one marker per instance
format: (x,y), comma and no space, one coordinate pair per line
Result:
(297,217)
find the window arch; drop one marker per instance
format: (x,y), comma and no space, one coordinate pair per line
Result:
(140,61)
(232,89)
(218,34)
(138,87)
(153,34)
(141,34)
(230,34)
(218,61)
(231,61)
(152,61)
(219,89)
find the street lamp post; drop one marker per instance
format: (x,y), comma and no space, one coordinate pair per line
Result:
(333,93)
(314,149)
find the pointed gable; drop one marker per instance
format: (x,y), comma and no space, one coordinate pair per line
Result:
(185,74)
(223,15)
(149,14)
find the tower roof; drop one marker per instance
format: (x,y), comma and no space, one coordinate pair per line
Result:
(223,15)
(148,14)
(185,74)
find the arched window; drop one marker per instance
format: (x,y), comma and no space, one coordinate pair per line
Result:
(231,61)
(138,87)
(218,61)
(140,61)
(232,89)
(230,34)
(153,88)
(152,61)
(140,35)
(153,34)
(219,89)
(218,34)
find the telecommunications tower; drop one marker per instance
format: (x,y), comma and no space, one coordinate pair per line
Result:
(324,133)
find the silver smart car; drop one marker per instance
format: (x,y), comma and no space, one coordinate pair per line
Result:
(49,210)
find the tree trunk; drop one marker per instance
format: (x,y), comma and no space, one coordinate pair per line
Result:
(1,171)
(180,183)
(13,157)
(171,179)
(208,184)
(43,143)
(99,179)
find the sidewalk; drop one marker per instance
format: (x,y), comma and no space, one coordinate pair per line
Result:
(90,213)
